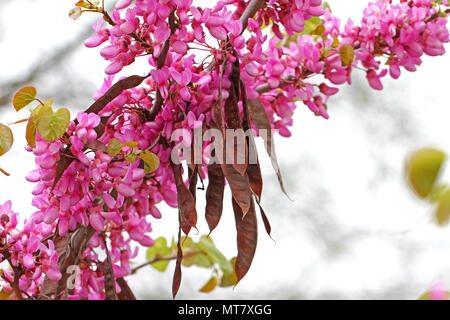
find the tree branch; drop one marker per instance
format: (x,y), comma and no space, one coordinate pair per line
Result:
(250,11)
(266,88)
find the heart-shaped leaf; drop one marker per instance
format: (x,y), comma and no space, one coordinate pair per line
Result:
(6,139)
(159,249)
(151,161)
(24,97)
(52,125)
(114,147)
(33,121)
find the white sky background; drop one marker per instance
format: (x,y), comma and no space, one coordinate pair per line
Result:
(354,230)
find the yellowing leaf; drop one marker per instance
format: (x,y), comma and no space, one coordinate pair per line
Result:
(82,4)
(347,54)
(210,285)
(5,295)
(6,139)
(30,134)
(442,213)
(114,147)
(33,121)
(52,125)
(335,42)
(131,144)
(151,161)
(131,158)
(231,279)
(24,97)
(319,30)
(423,168)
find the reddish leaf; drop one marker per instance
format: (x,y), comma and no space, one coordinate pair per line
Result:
(214,195)
(177,273)
(246,120)
(125,291)
(63,163)
(232,110)
(193,177)
(255,179)
(186,202)
(217,109)
(115,91)
(265,220)
(234,122)
(239,186)
(235,76)
(261,121)
(253,169)
(247,237)
(109,279)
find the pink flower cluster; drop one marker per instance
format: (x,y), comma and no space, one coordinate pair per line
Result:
(27,249)
(401,33)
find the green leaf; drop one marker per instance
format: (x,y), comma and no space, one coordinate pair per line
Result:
(161,266)
(231,279)
(114,147)
(159,249)
(24,97)
(151,161)
(326,5)
(423,169)
(6,139)
(347,54)
(52,125)
(311,24)
(200,260)
(210,285)
(207,245)
(186,243)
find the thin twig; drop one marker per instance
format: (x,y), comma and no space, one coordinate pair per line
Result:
(266,88)
(158,259)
